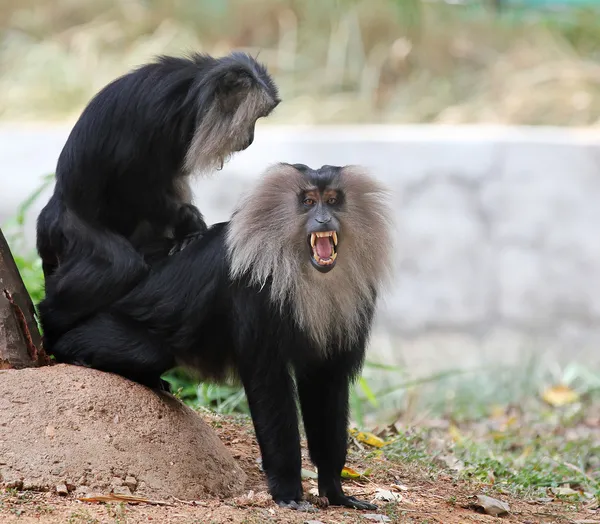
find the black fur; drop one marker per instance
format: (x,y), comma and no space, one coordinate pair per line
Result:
(118,206)
(189,311)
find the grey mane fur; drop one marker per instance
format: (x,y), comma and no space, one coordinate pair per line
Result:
(267,238)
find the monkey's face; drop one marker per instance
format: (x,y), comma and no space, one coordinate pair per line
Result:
(322,226)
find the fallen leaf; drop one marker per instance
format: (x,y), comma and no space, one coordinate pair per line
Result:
(313,522)
(455,433)
(400,487)
(349,473)
(560,395)
(376,518)
(367,438)
(451,462)
(564,491)
(493,506)
(308,474)
(388,496)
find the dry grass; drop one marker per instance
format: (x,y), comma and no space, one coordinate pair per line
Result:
(344,61)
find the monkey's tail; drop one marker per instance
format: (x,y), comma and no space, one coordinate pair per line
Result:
(96,267)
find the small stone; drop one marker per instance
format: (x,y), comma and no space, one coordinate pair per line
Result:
(116,481)
(14,484)
(31,485)
(121,490)
(82,491)
(130,482)
(50,431)
(61,489)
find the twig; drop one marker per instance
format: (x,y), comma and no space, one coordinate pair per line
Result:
(114,497)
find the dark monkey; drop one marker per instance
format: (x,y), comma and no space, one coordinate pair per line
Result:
(122,196)
(285,290)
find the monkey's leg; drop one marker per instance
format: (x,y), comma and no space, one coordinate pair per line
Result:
(323,392)
(271,399)
(116,346)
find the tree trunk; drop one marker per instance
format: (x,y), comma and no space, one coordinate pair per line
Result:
(20,340)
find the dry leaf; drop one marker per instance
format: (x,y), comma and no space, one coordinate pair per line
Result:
(308,474)
(367,438)
(560,395)
(493,506)
(386,495)
(376,518)
(564,491)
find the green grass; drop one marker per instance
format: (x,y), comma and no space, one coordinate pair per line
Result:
(535,451)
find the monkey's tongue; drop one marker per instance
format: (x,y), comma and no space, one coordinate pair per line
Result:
(323,248)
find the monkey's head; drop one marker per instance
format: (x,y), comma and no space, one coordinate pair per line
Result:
(231,96)
(323,239)
(320,202)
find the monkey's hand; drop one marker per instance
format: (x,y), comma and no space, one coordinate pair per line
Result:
(184,242)
(190,222)
(301,505)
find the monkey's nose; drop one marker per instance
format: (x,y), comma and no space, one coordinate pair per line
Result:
(323,220)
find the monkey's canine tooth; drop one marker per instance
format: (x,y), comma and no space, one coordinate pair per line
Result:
(335,241)
(312,239)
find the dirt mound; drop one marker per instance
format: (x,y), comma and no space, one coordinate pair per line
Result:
(97,432)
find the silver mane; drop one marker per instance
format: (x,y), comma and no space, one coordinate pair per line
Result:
(267,238)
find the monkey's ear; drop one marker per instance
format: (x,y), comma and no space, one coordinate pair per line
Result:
(232,89)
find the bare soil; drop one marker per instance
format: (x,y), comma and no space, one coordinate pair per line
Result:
(95,432)
(423,496)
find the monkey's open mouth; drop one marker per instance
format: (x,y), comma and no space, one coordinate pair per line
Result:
(323,249)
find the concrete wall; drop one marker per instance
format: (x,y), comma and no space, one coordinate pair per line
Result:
(497,239)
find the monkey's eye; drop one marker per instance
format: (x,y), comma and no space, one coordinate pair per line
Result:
(308,202)
(332,201)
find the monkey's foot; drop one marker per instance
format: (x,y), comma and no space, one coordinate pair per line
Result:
(350,502)
(303,505)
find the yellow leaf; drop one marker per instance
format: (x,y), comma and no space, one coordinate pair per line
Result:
(348,473)
(497,411)
(367,438)
(455,433)
(560,395)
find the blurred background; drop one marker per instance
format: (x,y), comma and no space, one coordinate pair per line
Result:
(480,115)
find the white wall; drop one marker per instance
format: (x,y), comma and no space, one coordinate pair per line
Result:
(498,230)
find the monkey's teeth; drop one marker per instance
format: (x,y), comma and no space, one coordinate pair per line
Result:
(313,238)
(335,240)
(334,256)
